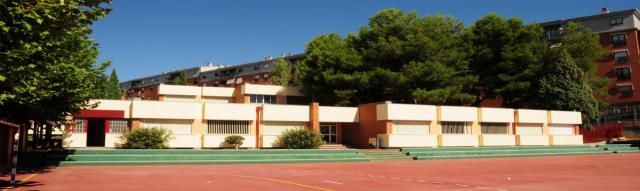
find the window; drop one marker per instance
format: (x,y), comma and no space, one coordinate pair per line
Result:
(621,56)
(626,90)
(220,127)
(203,77)
(263,99)
(456,128)
(216,74)
(623,73)
(256,77)
(615,21)
(529,129)
(256,67)
(118,126)
(560,129)
(79,126)
(494,128)
(266,66)
(619,39)
(239,70)
(266,76)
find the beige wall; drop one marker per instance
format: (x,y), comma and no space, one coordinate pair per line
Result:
(184,141)
(179,98)
(76,140)
(111,140)
(410,112)
(566,117)
(274,112)
(497,115)
(217,92)
(104,104)
(455,140)
(217,141)
(532,116)
(459,114)
(166,110)
(255,89)
(338,114)
(497,140)
(164,89)
(390,140)
(566,140)
(230,111)
(524,140)
(268,141)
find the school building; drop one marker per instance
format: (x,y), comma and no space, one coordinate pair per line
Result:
(201,117)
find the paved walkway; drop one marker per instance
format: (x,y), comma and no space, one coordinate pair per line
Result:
(588,172)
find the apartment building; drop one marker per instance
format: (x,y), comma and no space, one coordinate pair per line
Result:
(146,88)
(618,33)
(201,117)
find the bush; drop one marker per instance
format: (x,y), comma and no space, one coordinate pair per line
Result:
(300,139)
(146,138)
(235,140)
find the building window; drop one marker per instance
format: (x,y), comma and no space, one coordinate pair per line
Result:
(79,126)
(219,127)
(456,128)
(118,126)
(256,67)
(619,39)
(203,77)
(263,99)
(256,77)
(494,128)
(266,66)
(615,21)
(239,70)
(626,90)
(621,56)
(623,73)
(216,74)
(266,76)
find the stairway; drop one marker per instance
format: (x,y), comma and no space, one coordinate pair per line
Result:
(333,146)
(384,154)
(619,148)
(514,151)
(174,156)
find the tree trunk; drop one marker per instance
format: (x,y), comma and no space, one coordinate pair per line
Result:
(237,146)
(47,135)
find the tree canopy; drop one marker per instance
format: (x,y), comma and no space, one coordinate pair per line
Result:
(181,79)
(48,58)
(398,56)
(282,73)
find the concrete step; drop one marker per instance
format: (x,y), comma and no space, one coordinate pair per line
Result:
(506,155)
(182,162)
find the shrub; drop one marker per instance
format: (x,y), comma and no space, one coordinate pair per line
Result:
(146,138)
(235,140)
(300,139)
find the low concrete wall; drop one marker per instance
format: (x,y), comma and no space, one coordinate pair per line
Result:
(497,140)
(268,141)
(390,140)
(112,140)
(76,140)
(184,141)
(452,140)
(217,141)
(523,140)
(566,140)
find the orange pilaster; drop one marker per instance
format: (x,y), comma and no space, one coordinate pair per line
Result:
(314,116)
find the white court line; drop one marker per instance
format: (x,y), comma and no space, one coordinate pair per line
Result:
(332,182)
(463,185)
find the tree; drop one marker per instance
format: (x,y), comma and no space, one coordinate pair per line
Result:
(585,48)
(564,87)
(282,74)
(181,78)
(48,58)
(508,57)
(113,91)
(398,57)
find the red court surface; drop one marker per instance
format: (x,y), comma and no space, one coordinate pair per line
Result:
(588,172)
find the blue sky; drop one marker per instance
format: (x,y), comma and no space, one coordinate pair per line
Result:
(144,37)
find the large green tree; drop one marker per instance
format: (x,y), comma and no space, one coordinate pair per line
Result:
(398,56)
(113,90)
(47,58)
(508,56)
(565,87)
(282,73)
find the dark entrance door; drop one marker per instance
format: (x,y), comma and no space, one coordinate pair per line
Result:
(328,132)
(95,133)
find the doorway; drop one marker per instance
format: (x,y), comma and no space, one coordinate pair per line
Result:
(328,132)
(95,133)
